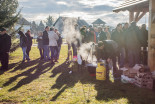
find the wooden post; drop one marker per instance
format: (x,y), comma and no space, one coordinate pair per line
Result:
(151,51)
(131,16)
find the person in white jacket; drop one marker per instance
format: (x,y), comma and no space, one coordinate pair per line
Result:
(53,37)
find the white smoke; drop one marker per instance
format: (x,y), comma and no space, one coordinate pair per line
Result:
(86,50)
(71,33)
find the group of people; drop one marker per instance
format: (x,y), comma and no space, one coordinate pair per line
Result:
(122,44)
(48,40)
(126,44)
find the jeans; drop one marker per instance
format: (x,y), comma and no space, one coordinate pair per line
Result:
(54,52)
(25,56)
(133,57)
(74,49)
(122,57)
(46,52)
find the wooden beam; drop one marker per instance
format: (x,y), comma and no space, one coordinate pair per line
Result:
(140,16)
(131,16)
(153,20)
(151,41)
(136,16)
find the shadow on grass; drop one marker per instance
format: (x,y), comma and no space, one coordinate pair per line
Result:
(106,90)
(31,74)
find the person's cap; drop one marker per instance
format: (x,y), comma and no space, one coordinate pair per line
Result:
(2,29)
(100,43)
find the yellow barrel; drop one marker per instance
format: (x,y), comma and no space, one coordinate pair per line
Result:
(101,72)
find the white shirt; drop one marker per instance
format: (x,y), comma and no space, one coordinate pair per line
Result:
(53,37)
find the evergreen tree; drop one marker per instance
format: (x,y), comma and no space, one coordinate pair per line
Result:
(34,27)
(8,13)
(49,21)
(41,26)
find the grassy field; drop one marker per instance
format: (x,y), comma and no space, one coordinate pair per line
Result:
(38,82)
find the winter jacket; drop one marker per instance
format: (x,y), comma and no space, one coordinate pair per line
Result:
(5,43)
(119,38)
(23,41)
(59,41)
(144,37)
(102,36)
(132,41)
(45,38)
(29,40)
(109,51)
(53,37)
(40,41)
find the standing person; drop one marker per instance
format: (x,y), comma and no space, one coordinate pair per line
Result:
(59,42)
(144,43)
(46,43)
(91,35)
(23,44)
(107,32)
(102,35)
(125,29)
(133,44)
(53,37)
(119,38)
(40,45)
(83,34)
(29,42)
(5,44)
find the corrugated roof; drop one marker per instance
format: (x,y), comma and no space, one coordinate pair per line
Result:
(133,5)
(98,21)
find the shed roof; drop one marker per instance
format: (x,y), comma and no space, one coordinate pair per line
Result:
(98,21)
(133,5)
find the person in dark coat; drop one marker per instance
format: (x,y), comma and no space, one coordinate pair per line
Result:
(133,44)
(107,50)
(119,38)
(46,43)
(144,43)
(5,44)
(59,42)
(91,36)
(29,41)
(101,35)
(23,45)
(40,45)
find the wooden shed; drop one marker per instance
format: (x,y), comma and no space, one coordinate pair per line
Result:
(137,9)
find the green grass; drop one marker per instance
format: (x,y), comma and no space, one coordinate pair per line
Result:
(38,82)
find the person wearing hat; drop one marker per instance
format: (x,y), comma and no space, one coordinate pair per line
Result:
(106,50)
(29,41)
(133,44)
(5,45)
(91,35)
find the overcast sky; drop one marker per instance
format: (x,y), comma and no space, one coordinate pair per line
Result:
(89,10)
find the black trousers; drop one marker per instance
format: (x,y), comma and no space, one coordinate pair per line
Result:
(4,58)
(28,49)
(41,50)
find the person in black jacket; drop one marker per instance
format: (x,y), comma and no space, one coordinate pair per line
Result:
(133,44)
(59,42)
(23,45)
(29,41)
(46,43)
(144,43)
(119,38)
(107,50)
(101,35)
(5,44)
